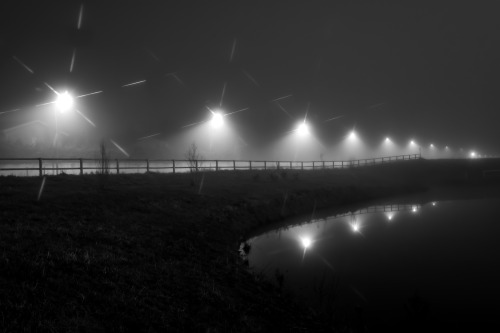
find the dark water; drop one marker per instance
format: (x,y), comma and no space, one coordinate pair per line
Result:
(400,261)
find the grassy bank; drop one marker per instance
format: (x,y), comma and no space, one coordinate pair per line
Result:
(154,252)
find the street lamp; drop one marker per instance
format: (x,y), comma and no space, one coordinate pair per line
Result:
(217,120)
(306,242)
(303,129)
(64,102)
(414,144)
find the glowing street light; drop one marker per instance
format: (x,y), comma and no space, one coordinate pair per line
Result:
(353,147)
(303,129)
(217,120)
(387,147)
(306,242)
(431,146)
(64,102)
(473,154)
(413,144)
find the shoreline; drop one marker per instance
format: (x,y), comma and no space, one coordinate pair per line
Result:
(153,252)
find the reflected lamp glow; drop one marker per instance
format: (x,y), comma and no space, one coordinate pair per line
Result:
(217,120)
(473,154)
(431,146)
(306,242)
(352,136)
(303,129)
(387,140)
(355,226)
(64,102)
(390,215)
(414,209)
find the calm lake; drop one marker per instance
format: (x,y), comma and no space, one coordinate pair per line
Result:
(425,259)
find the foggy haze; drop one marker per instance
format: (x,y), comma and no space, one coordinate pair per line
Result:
(157,72)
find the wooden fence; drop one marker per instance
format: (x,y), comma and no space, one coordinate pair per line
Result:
(53,166)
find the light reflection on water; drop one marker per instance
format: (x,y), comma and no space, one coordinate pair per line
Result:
(380,256)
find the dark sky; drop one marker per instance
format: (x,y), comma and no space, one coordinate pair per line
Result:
(425,70)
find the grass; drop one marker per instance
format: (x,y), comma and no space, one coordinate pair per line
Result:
(159,252)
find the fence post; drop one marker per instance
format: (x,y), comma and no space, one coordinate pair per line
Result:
(278,166)
(265,165)
(302,165)
(216,165)
(250,164)
(173,166)
(323,164)
(147,165)
(234,165)
(342,165)
(196,164)
(117,167)
(40,170)
(81,166)
(314,165)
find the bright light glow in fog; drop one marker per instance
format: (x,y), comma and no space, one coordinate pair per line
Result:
(387,147)
(297,144)
(217,120)
(303,129)
(64,102)
(306,242)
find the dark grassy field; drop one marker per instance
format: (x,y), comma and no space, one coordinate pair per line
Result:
(158,252)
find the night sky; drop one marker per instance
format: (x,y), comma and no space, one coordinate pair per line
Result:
(423,70)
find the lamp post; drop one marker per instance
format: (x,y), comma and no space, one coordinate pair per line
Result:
(414,144)
(64,103)
(217,120)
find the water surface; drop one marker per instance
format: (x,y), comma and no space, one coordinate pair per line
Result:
(395,260)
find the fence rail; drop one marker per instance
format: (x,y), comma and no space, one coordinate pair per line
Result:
(54,166)
(381,209)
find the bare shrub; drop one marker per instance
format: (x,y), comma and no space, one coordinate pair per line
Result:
(103,161)
(192,156)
